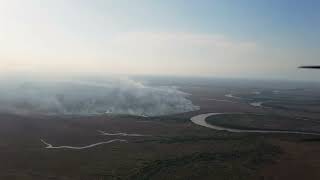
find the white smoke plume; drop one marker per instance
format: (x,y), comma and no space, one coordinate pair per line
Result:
(91,97)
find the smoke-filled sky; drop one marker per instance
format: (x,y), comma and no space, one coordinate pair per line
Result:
(218,38)
(91,97)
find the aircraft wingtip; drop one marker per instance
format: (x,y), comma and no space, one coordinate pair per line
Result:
(309,67)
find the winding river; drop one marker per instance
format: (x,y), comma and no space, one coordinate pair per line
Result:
(50,146)
(201,120)
(120,134)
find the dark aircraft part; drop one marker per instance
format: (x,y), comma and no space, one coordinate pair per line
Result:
(310,67)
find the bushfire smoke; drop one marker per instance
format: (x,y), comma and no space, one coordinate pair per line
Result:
(92,97)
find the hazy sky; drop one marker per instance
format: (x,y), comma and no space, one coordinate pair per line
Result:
(219,38)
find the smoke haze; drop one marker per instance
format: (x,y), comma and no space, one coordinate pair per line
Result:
(79,97)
